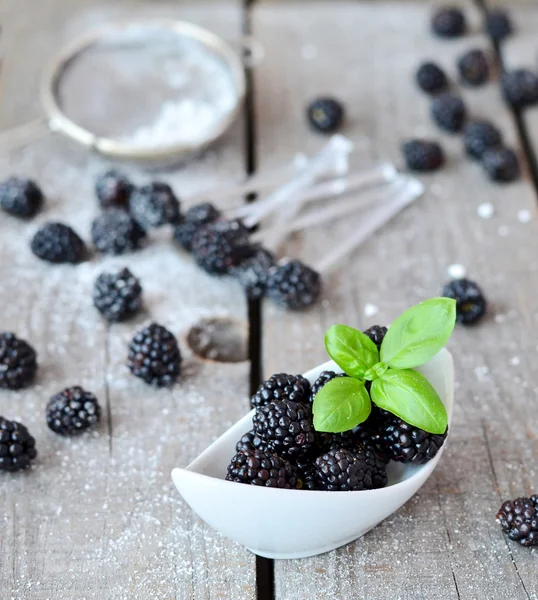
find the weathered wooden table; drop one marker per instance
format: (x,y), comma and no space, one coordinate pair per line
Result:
(98,516)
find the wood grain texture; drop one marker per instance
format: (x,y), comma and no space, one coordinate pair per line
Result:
(445,542)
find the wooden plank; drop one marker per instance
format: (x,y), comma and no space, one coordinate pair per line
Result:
(99,517)
(444,543)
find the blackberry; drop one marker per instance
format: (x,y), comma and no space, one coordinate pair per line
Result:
(470,301)
(501,164)
(478,136)
(343,470)
(519,520)
(116,232)
(286,426)
(220,246)
(306,473)
(253,273)
(294,285)
(113,189)
(325,114)
(17,446)
(154,356)
(422,155)
(473,67)
(72,411)
(449,112)
(194,218)
(407,444)
(154,205)
(250,441)
(520,88)
(431,78)
(18,362)
(258,467)
(58,243)
(117,296)
(377,334)
(20,197)
(324,377)
(498,24)
(282,386)
(448,22)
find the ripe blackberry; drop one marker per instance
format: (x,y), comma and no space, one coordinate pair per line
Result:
(449,112)
(431,78)
(498,24)
(117,296)
(407,444)
(501,164)
(220,246)
(17,446)
(58,243)
(294,285)
(519,520)
(18,362)
(324,377)
(154,356)
(448,22)
(470,301)
(377,334)
(20,197)
(478,136)
(473,67)
(250,441)
(194,218)
(325,114)
(253,273)
(116,232)
(422,155)
(258,467)
(282,386)
(520,88)
(306,473)
(113,189)
(154,205)
(72,411)
(343,470)
(286,426)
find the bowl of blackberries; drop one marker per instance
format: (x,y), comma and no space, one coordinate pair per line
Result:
(324,457)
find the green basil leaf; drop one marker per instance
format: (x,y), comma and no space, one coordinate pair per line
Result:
(353,351)
(410,396)
(419,333)
(340,405)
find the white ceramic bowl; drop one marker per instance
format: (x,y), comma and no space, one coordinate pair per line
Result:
(296,523)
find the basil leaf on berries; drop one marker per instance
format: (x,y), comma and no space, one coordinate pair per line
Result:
(340,405)
(419,333)
(411,397)
(353,351)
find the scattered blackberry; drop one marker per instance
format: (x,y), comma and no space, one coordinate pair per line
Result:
(377,334)
(501,164)
(253,273)
(117,296)
(422,155)
(448,22)
(194,218)
(294,285)
(498,24)
(431,78)
(325,114)
(250,441)
(282,386)
(113,189)
(449,112)
(116,232)
(58,243)
(473,67)
(18,362)
(20,197)
(220,246)
(154,205)
(324,377)
(17,446)
(519,520)
(258,467)
(470,301)
(341,470)
(154,356)
(72,411)
(478,136)
(520,88)
(286,426)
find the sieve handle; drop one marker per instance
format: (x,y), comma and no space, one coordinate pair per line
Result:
(250,49)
